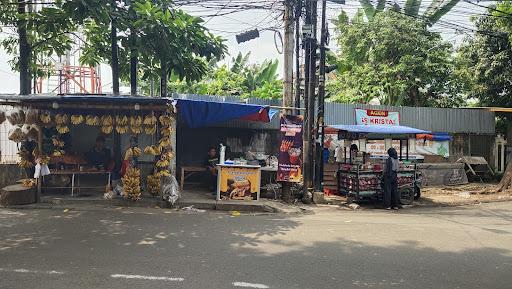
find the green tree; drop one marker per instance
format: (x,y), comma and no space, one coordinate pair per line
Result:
(485,61)
(433,13)
(39,33)
(162,41)
(396,60)
(240,79)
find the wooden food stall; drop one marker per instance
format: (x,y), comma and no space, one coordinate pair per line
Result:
(66,130)
(359,176)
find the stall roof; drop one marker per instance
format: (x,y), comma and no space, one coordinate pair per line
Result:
(199,113)
(378,129)
(195,113)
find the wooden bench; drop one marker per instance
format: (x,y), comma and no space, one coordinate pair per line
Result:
(187,171)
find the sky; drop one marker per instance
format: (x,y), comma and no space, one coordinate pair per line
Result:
(453,28)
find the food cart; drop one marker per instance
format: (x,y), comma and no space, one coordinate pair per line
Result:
(359,177)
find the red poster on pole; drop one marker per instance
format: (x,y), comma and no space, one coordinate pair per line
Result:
(290,150)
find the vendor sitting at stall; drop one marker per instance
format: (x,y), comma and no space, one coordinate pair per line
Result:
(211,168)
(100,157)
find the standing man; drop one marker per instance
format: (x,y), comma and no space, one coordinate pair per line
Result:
(390,176)
(211,169)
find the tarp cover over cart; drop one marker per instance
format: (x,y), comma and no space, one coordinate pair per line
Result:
(362,180)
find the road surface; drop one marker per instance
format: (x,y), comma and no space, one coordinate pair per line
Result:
(466,247)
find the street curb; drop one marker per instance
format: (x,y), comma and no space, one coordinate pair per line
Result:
(116,203)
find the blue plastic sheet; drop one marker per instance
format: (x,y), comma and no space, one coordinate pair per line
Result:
(196,113)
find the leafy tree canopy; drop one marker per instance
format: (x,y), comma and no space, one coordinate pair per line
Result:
(240,79)
(48,31)
(485,60)
(395,59)
(165,34)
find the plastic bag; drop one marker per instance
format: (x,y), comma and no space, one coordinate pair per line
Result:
(170,189)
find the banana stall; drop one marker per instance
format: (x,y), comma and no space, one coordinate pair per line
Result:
(72,145)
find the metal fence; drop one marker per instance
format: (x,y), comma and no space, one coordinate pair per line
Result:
(451,120)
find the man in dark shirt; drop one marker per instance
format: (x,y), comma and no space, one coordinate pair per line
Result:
(211,168)
(99,156)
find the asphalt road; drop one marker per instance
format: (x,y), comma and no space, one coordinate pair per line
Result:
(469,247)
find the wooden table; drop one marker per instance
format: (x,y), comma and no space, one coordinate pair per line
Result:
(187,171)
(77,173)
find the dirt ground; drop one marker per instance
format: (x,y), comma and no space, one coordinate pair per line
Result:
(462,194)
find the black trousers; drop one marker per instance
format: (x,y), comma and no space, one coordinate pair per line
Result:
(391,196)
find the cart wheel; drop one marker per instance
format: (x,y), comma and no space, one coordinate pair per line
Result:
(417,193)
(406,196)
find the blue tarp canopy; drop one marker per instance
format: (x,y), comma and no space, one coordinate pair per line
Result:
(198,113)
(377,129)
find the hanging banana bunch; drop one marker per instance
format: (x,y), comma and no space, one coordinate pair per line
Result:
(135,151)
(61,119)
(136,124)
(152,150)
(25,159)
(166,131)
(107,129)
(153,184)
(122,129)
(150,120)
(45,118)
(92,120)
(149,123)
(77,119)
(62,129)
(165,120)
(164,143)
(58,143)
(163,173)
(121,120)
(131,184)
(107,120)
(121,124)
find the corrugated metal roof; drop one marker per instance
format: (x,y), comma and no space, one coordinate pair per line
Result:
(451,120)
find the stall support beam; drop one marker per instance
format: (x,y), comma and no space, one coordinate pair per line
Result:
(40,179)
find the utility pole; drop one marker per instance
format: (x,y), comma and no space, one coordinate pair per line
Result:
(321,102)
(288,75)
(309,96)
(298,74)
(288,56)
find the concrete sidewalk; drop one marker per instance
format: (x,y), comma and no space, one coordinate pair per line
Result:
(187,200)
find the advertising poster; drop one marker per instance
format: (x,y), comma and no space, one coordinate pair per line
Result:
(377,117)
(238,183)
(290,150)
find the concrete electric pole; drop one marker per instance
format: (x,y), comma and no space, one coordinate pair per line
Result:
(288,55)
(310,45)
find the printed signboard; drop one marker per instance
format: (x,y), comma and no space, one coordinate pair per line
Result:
(377,117)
